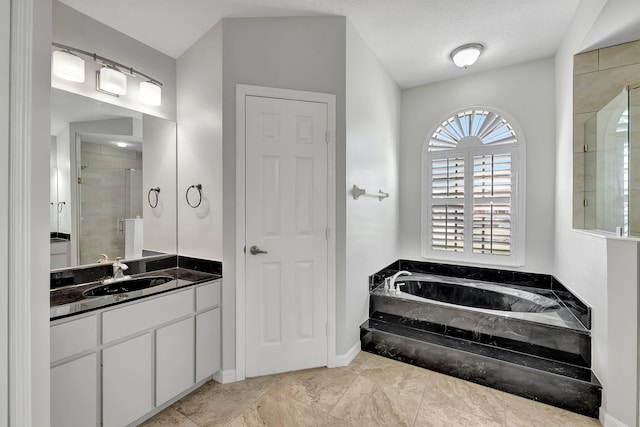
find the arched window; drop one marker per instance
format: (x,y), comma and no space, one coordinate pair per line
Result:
(473,189)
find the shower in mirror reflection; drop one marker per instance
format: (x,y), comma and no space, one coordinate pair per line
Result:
(612,166)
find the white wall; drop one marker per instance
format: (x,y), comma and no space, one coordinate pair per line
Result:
(200,147)
(159,170)
(581,258)
(5,61)
(622,360)
(37,263)
(373,141)
(75,29)
(526,93)
(300,53)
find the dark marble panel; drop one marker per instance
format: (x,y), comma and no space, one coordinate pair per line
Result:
(560,338)
(520,278)
(377,278)
(486,339)
(76,275)
(96,272)
(60,236)
(198,264)
(69,300)
(579,308)
(515,357)
(577,395)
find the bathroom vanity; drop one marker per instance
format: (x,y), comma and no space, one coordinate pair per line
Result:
(120,363)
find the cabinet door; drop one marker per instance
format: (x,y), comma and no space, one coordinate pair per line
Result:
(126,381)
(74,393)
(174,359)
(207,343)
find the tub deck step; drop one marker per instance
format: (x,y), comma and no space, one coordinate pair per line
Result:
(491,340)
(525,334)
(559,383)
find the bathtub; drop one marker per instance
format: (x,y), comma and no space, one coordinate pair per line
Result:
(475,304)
(475,294)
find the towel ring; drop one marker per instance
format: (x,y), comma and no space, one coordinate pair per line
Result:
(197,187)
(155,191)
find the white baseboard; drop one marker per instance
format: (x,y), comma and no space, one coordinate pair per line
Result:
(347,358)
(225,377)
(609,421)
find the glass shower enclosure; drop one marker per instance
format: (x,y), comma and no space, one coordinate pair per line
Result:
(612,166)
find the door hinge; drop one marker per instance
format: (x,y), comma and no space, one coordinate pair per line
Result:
(327,136)
(586,148)
(585,203)
(80,181)
(326,233)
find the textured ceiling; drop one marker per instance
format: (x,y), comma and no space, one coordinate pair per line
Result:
(412,38)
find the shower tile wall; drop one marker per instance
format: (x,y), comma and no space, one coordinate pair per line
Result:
(599,76)
(112,191)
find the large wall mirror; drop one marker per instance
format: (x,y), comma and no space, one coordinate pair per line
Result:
(606,132)
(113,182)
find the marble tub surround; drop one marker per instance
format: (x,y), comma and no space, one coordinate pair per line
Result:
(542,284)
(371,391)
(574,342)
(68,300)
(541,351)
(554,383)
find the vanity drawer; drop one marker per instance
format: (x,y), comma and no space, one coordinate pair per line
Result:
(208,296)
(73,337)
(121,322)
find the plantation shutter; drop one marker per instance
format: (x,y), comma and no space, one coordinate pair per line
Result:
(492,186)
(473,190)
(447,209)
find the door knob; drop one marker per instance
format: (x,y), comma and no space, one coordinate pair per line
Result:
(254,250)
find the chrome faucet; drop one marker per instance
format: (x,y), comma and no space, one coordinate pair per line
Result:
(118,270)
(392,280)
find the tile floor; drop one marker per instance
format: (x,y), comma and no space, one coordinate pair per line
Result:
(372,391)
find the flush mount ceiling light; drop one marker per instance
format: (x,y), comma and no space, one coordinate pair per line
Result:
(150,93)
(112,81)
(122,144)
(466,55)
(67,66)
(111,78)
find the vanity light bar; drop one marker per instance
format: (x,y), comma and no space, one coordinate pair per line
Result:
(116,66)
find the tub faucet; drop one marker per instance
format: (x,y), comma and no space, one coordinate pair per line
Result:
(392,280)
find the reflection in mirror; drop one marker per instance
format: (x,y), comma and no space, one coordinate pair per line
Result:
(608,167)
(103,157)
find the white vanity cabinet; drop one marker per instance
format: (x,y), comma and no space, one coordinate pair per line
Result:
(74,392)
(74,372)
(121,364)
(175,359)
(126,381)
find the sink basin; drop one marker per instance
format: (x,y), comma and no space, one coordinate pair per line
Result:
(129,285)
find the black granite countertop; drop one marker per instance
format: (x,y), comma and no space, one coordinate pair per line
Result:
(68,300)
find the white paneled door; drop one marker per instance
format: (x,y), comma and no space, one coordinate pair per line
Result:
(286,235)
